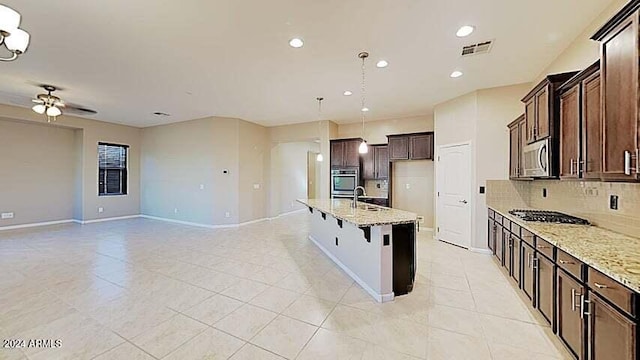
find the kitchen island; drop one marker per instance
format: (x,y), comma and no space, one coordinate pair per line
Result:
(375,245)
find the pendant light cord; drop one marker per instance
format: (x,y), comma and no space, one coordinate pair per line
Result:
(363,94)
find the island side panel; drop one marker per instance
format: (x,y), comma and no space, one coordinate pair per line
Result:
(368,263)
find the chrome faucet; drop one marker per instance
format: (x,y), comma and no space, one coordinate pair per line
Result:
(355,196)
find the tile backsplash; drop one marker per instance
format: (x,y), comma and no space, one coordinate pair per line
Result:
(377,187)
(585,199)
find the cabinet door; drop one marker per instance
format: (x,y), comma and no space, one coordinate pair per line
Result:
(619,71)
(382,162)
(369,164)
(516,267)
(611,334)
(570,133)
(399,148)
(493,228)
(421,147)
(528,271)
(351,154)
(530,119)
(500,245)
(591,128)
(543,114)
(508,249)
(544,287)
(570,321)
(337,153)
(514,152)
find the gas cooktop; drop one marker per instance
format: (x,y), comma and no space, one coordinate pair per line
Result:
(547,216)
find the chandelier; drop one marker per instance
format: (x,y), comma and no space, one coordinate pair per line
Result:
(12,37)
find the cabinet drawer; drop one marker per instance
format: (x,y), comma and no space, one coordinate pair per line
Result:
(499,218)
(506,223)
(612,291)
(570,264)
(527,236)
(545,248)
(492,214)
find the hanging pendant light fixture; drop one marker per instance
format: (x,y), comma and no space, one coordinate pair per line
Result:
(14,39)
(319,157)
(363,148)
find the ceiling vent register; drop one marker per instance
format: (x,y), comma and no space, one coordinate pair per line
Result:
(477,49)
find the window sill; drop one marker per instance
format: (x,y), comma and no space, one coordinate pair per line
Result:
(109,195)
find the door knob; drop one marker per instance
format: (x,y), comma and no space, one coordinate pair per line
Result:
(463,201)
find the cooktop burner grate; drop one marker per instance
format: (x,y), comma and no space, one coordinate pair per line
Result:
(548,216)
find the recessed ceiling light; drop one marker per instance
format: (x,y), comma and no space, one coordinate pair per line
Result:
(456,74)
(296,43)
(347,93)
(382,64)
(465,30)
(365,109)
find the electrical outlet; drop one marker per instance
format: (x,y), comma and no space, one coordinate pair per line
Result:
(544,193)
(7,215)
(227,214)
(101,209)
(201,186)
(613,202)
(175,211)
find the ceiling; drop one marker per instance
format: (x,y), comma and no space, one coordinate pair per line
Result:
(231,58)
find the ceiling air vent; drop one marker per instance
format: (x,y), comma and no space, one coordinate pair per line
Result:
(476,49)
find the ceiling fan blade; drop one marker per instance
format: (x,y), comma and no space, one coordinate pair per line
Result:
(37,101)
(78,109)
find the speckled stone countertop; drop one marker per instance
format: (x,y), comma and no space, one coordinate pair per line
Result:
(613,254)
(341,209)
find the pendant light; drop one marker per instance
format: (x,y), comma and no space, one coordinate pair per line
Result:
(319,157)
(363,148)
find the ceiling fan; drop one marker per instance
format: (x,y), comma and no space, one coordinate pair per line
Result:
(52,106)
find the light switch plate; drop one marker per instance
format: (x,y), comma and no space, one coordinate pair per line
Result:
(256,186)
(7,215)
(408,186)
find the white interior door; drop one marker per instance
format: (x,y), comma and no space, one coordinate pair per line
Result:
(454,194)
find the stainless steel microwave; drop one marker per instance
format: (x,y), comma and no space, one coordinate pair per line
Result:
(536,159)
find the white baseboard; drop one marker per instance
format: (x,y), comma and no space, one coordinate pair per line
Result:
(46,223)
(182,222)
(84,222)
(289,213)
(367,288)
(481,251)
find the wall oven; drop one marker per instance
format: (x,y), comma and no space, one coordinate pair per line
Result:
(536,158)
(343,182)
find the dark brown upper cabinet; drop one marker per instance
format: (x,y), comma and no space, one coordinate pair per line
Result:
(375,163)
(344,153)
(619,69)
(580,121)
(542,107)
(411,146)
(516,143)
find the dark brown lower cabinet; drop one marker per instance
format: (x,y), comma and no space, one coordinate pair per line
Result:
(570,320)
(508,250)
(500,245)
(544,286)
(528,271)
(515,263)
(611,335)
(493,229)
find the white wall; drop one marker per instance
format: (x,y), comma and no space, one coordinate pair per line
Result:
(481,118)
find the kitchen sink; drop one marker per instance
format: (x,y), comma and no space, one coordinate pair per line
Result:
(370,208)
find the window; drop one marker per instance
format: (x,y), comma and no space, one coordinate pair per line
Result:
(112,169)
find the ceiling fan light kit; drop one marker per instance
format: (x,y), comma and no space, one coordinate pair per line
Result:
(48,104)
(12,37)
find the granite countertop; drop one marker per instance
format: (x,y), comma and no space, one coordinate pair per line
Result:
(341,209)
(611,253)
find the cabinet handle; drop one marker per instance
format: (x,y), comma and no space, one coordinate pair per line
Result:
(600,286)
(584,304)
(627,162)
(542,247)
(529,261)
(535,264)
(564,262)
(573,299)
(571,167)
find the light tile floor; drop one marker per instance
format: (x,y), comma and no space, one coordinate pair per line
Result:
(144,289)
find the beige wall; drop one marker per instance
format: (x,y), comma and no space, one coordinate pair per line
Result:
(85,141)
(583,51)
(289,175)
(183,168)
(481,119)
(376,131)
(37,178)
